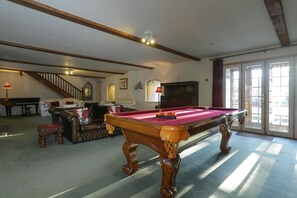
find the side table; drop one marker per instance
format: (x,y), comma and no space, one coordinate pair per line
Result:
(49,129)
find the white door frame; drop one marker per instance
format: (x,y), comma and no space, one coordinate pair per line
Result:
(291,98)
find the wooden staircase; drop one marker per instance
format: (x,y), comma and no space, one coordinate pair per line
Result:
(57,84)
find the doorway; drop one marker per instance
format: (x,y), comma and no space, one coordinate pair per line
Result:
(265,90)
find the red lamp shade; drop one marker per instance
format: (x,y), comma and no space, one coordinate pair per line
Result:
(7,86)
(158,90)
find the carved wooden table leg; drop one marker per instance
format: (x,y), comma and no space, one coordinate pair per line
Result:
(169,170)
(110,129)
(241,120)
(226,134)
(39,139)
(129,150)
(42,141)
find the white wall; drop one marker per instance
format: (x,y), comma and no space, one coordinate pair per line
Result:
(25,86)
(189,71)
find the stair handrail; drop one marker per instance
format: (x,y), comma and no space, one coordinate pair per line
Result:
(62,84)
(55,81)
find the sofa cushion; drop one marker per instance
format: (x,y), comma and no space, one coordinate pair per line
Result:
(82,114)
(114,109)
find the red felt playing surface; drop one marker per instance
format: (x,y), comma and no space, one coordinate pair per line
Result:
(184,115)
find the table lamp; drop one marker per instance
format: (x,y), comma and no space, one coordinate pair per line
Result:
(6,87)
(159,90)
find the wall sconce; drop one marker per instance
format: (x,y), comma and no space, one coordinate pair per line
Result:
(139,85)
(69,72)
(6,87)
(148,39)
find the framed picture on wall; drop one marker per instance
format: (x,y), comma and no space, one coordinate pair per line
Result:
(88,91)
(124,83)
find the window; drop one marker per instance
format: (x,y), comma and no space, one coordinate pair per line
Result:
(111,92)
(232,87)
(88,91)
(151,86)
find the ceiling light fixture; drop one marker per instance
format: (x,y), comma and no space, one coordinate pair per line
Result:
(69,72)
(148,39)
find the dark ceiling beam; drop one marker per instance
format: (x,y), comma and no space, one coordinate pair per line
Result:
(91,24)
(275,10)
(58,66)
(18,45)
(21,70)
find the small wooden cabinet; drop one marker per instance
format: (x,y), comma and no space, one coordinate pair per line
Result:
(179,94)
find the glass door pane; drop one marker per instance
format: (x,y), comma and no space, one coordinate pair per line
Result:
(232,91)
(253,98)
(279,98)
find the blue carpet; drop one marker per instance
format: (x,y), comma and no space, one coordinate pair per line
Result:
(255,167)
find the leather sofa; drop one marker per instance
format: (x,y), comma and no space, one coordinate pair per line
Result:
(94,128)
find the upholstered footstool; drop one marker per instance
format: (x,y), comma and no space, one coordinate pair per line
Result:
(49,129)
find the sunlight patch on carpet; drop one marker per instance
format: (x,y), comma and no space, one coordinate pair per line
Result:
(259,175)
(237,177)
(121,183)
(6,136)
(61,193)
(263,146)
(150,159)
(193,149)
(216,165)
(274,149)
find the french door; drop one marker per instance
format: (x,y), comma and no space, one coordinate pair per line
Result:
(279,103)
(253,97)
(265,90)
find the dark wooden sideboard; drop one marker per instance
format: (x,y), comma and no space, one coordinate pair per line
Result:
(179,94)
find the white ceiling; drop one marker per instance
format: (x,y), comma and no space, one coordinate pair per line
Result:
(200,28)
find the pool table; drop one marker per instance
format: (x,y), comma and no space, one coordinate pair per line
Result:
(170,135)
